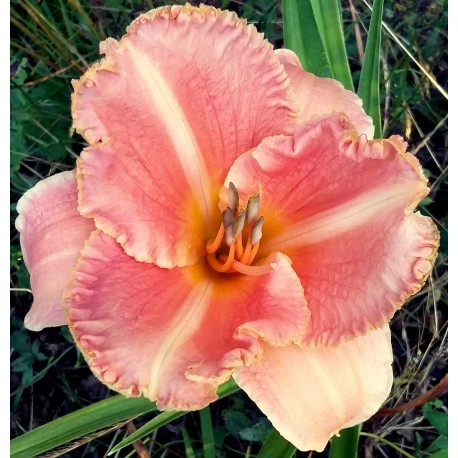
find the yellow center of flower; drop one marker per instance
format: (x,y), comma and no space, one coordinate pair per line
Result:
(237,242)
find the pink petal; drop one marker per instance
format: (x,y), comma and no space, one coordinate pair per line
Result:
(175,335)
(174,102)
(52,236)
(357,280)
(309,395)
(341,209)
(324,96)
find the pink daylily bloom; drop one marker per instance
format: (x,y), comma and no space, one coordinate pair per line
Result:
(232,216)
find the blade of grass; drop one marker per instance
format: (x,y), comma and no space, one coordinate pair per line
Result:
(346,444)
(61,43)
(166,417)
(36,56)
(301,35)
(77,424)
(329,23)
(421,67)
(276,446)
(187,444)
(207,433)
(87,20)
(35,38)
(369,83)
(387,442)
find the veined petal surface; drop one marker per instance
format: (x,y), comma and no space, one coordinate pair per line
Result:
(324,96)
(52,236)
(341,208)
(171,106)
(309,395)
(174,335)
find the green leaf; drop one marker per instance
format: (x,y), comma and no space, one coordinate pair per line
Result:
(235,421)
(440,454)
(329,23)
(160,420)
(369,83)
(276,446)
(187,444)
(301,35)
(166,417)
(441,443)
(207,433)
(438,419)
(346,444)
(258,432)
(78,424)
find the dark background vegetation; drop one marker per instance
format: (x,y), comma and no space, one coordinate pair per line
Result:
(54,41)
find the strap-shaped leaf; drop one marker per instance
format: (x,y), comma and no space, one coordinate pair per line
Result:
(166,417)
(328,18)
(346,444)
(208,438)
(276,446)
(96,417)
(369,83)
(78,424)
(301,35)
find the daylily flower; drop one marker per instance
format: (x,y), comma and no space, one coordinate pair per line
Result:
(231,216)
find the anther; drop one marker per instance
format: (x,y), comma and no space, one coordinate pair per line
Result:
(256,232)
(228,223)
(233,198)
(239,223)
(252,209)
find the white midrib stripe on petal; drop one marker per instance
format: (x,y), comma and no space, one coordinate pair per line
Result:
(177,127)
(185,323)
(335,221)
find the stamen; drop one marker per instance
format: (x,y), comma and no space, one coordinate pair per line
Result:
(246,253)
(233,198)
(239,223)
(239,227)
(253,253)
(211,258)
(213,246)
(256,232)
(252,209)
(239,246)
(228,223)
(252,270)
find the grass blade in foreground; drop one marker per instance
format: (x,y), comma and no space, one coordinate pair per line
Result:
(329,23)
(300,34)
(346,445)
(166,417)
(208,439)
(78,424)
(369,86)
(276,446)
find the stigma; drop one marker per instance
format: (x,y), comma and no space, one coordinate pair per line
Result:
(237,242)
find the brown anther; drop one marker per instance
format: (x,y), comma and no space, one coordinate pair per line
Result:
(233,198)
(239,224)
(252,209)
(256,232)
(228,223)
